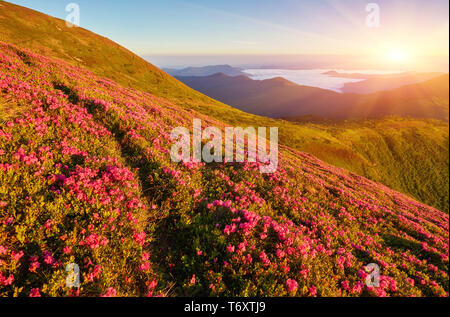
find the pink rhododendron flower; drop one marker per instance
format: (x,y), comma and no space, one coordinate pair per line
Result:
(139,237)
(110,292)
(35,292)
(291,285)
(145,266)
(313,291)
(6,281)
(17,256)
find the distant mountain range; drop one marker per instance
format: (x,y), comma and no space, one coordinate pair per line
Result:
(278,97)
(205,71)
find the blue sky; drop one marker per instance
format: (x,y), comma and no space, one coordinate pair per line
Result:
(262,27)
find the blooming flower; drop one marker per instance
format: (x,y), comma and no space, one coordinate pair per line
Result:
(139,237)
(313,291)
(110,292)
(35,292)
(291,285)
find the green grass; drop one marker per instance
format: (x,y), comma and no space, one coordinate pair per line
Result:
(408,155)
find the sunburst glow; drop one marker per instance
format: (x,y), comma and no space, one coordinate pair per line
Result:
(398,56)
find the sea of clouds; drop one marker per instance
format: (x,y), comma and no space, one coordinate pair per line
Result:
(311,77)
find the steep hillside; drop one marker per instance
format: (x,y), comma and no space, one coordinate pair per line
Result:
(50,36)
(86,178)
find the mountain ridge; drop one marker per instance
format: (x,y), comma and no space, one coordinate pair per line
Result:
(205,71)
(281,98)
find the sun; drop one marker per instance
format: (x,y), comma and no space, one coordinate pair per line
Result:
(397,56)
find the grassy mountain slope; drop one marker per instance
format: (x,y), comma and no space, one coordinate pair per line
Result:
(50,36)
(86,178)
(414,153)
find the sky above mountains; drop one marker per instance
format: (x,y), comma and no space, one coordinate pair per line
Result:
(408,32)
